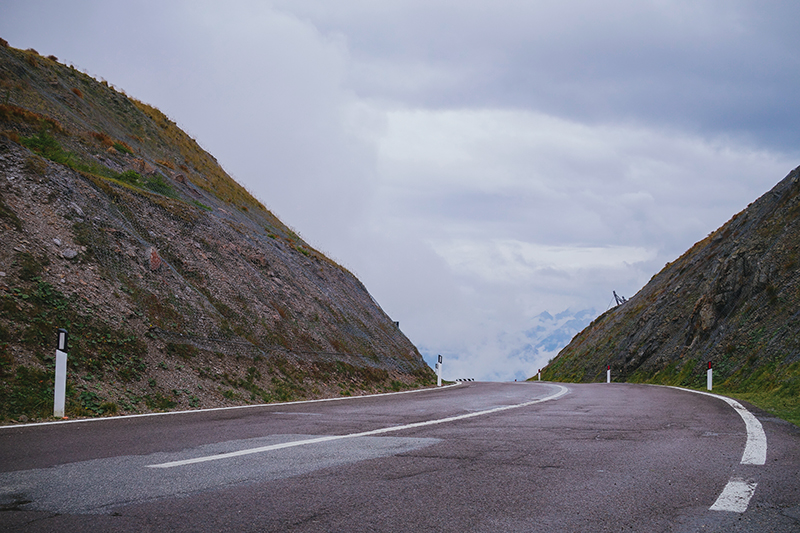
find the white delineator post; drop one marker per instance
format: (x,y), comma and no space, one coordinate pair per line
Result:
(540,374)
(60,393)
(608,374)
(439,372)
(709,377)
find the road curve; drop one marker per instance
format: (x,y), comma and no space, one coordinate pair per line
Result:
(476,457)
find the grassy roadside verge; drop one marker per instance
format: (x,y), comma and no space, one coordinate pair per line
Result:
(773,386)
(786,408)
(783,406)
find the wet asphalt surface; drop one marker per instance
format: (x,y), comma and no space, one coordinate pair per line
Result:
(602,457)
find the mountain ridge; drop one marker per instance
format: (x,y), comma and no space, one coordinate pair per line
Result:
(732,299)
(179,288)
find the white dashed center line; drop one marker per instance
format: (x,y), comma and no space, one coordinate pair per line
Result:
(562,391)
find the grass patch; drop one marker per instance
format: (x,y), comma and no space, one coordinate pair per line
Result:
(48,147)
(155,184)
(783,406)
(159,402)
(122,147)
(230,395)
(159,186)
(773,387)
(29,393)
(95,347)
(44,144)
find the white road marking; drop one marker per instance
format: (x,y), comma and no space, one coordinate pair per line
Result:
(755,450)
(337,399)
(98,486)
(735,497)
(562,391)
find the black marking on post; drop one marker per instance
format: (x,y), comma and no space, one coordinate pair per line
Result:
(62,339)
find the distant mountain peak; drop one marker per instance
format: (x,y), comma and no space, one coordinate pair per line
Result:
(547,334)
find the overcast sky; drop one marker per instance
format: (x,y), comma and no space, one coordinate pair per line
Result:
(473,163)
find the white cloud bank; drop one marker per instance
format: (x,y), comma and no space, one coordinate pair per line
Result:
(511,262)
(517,212)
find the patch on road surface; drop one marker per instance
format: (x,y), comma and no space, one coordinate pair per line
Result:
(100,485)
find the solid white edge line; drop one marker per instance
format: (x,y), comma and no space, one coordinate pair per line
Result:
(735,497)
(563,390)
(142,415)
(755,450)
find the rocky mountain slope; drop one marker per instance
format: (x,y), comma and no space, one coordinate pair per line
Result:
(733,299)
(178,288)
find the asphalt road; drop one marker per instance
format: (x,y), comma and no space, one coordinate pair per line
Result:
(475,457)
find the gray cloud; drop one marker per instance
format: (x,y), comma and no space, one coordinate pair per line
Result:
(712,67)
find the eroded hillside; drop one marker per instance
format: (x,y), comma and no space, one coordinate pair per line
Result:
(178,288)
(733,300)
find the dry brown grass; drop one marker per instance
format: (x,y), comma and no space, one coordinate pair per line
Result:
(207,172)
(103,138)
(110,142)
(12,113)
(30,57)
(13,135)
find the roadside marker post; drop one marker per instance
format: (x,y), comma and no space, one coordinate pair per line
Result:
(60,392)
(439,372)
(608,374)
(709,377)
(540,374)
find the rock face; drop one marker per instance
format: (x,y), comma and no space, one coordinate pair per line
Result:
(733,299)
(179,289)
